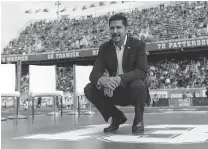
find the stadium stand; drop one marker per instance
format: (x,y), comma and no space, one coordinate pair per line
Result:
(153,24)
(179,73)
(163,74)
(160,23)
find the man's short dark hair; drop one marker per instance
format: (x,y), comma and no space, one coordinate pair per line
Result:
(119,17)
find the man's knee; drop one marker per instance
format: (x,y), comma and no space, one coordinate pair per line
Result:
(88,89)
(137,84)
(138,90)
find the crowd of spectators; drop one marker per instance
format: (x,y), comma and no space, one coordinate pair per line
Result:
(64,80)
(179,74)
(162,74)
(164,22)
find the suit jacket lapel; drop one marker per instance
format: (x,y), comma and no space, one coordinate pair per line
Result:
(113,58)
(126,52)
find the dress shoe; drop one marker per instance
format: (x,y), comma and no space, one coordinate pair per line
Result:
(115,123)
(138,128)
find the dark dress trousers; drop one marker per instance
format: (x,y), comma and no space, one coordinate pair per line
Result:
(134,89)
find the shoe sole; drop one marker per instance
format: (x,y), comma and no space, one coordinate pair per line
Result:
(138,131)
(111,131)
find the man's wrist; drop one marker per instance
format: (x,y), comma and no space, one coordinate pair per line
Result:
(99,85)
(99,81)
(118,77)
(121,83)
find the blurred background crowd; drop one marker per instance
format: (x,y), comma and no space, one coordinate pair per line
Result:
(153,24)
(163,74)
(179,73)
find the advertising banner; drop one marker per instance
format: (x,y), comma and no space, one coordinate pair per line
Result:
(178,97)
(180,102)
(204,93)
(158,94)
(154,46)
(50,56)
(186,102)
(178,93)
(186,43)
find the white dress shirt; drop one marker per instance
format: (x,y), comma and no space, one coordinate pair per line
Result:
(119,53)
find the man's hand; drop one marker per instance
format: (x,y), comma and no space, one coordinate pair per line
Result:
(117,79)
(108,92)
(109,82)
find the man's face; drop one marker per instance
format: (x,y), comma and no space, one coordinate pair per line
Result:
(117,31)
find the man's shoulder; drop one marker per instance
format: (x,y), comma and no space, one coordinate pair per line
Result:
(134,41)
(105,44)
(137,42)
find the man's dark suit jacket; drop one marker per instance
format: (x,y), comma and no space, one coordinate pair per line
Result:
(134,61)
